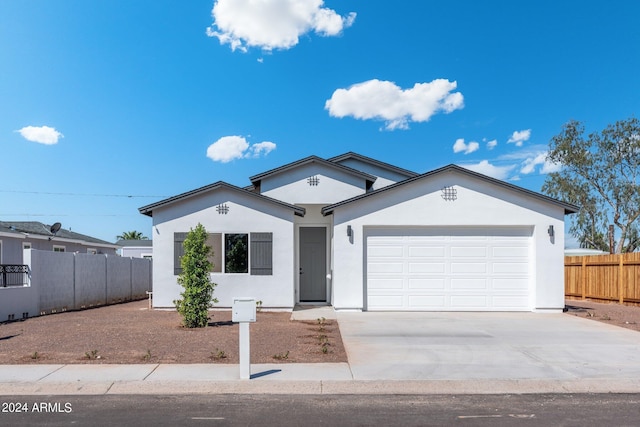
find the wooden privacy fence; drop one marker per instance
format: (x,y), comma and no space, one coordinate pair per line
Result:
(603,277)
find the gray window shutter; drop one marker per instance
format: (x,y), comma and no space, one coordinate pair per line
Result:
(178,251)
(214,241)
(261,253)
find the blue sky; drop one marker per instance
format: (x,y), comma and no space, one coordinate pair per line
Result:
(107,106)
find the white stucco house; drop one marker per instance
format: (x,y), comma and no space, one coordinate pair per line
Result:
(361,234)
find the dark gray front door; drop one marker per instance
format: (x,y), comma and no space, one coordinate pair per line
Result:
(313,264)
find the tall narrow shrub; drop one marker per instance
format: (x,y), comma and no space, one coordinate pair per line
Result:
(197,296)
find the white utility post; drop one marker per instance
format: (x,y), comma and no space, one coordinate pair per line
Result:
(244,312)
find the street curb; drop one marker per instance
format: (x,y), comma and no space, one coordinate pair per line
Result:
(319,387)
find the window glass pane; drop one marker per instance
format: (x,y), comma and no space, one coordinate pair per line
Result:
(236,254)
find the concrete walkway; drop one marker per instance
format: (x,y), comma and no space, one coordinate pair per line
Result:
(391,353)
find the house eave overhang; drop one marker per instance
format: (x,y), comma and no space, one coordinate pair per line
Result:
(568,208)
(148,209)
(370,179)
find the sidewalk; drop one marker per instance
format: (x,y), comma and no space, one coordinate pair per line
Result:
(290,378)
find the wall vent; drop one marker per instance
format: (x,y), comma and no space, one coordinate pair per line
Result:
(222,209)
(449,194)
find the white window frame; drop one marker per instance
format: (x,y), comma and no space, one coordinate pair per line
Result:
(224,253)
(26,245)
(92,251)
(59,248)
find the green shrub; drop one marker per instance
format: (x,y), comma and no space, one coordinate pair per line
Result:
(198,288)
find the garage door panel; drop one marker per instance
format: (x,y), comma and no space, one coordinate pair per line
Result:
(509,302)
(468,251)
(510,267)
(427,267)
(518,284)
(510,252)
(386,251)
(474,284)
(426,252)
(469,301)
(386,284)
(448,269)
(386,267)
(468,268)
(422,302)
(427,283)
(387,302)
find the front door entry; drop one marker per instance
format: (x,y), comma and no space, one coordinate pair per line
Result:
(313,264)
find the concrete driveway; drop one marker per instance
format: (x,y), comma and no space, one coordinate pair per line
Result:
(487,346)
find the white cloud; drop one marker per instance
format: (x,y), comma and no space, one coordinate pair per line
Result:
(520,136)
(460,146)
(273,24)
(550,167)
(530,164)
(41,134)
(486,168)
(492,144)
(384,100)
(229,148)
(261,148)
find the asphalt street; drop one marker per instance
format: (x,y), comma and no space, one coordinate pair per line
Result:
(530,410)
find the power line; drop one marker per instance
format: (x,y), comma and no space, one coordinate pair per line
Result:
(129,196)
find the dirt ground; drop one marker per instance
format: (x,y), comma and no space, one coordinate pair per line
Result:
(131,333)
(614,314)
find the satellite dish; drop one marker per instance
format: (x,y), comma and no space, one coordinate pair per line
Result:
(55,228)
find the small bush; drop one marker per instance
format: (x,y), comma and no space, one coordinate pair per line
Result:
(218,354)
(92,355)
(281,356)
(198,288)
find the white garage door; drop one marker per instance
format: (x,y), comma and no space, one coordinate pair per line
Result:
(448,269)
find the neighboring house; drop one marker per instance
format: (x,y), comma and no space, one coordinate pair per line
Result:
(136,248)
(361,234)
(16,236)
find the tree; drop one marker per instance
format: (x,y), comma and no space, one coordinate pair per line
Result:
(132,235)
(198,288)
(601,175)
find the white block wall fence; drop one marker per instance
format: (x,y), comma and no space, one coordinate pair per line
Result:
(61,281)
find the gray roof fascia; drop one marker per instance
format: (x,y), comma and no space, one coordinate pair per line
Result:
(365,159)
(148,209)
(312,159)
(35,228)
(568,207)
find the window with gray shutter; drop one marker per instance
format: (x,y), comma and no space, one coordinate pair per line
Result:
(178,251)
(261,248)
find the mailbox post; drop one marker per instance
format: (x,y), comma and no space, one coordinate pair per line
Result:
(244,312)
